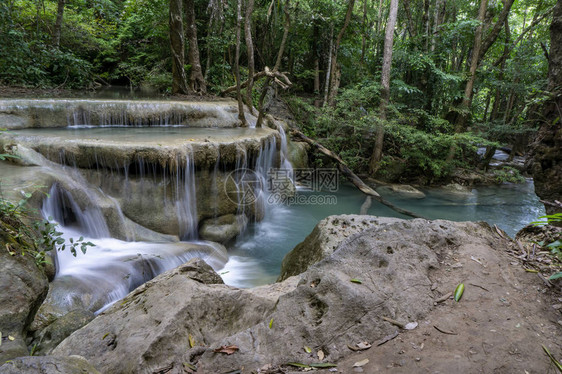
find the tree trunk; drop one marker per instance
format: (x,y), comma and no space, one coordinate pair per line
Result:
(241,115)
(197,82)
(435,24)
(462,117)
(329,66)
(364,32)
(58,23)
(493,35)
(250,49)
(286,28)
(333,87)
(425,23)
(385,83)
(177,44)
(474,60)
(411,27)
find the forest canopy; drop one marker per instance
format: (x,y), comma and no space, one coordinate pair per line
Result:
(461,73)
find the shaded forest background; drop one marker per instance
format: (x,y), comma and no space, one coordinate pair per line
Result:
(461,74)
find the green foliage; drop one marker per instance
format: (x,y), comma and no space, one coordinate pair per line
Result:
(414,139)
(37,237)
(555,247)
(551,218)
(508,174)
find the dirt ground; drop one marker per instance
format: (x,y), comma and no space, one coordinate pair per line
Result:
(504,317)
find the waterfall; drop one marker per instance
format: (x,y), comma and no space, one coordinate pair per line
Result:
(61,207)
(117,113)
(117,184)
(186,202)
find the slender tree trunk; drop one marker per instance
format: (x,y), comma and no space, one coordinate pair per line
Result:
(493,35)
(329,66)
(379,17)
(467,98)
(333,78)
(435,24)
(385,83)
(241,115)
(286,28)
(425,23)
(250,49)
(58,23)
(316,56)
(197,82)
(462,118)
(364,27)
(177,44)
(411,27)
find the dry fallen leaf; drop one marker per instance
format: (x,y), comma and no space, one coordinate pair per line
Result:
(361,363)
(320,355)
(228,349)
(191,341)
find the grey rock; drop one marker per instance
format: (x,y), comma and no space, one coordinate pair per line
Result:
(224,228)
(48,338)
(321,308)
(24,287)
(322,242)
(48,365)
(407,191)
(150,328)
(298,154)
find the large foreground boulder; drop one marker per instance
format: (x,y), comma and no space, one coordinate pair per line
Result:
(48,365)
(184,316)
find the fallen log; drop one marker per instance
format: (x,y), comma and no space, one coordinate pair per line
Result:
(278,77)
(351,176)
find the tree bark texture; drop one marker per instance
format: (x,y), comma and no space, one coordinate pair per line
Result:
(250,49)
(333,70)
(177,44)
(385,83)
(241,115)
(197,82)
(58,23)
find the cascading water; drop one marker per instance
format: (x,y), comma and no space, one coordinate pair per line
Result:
(186,201)
(112,268)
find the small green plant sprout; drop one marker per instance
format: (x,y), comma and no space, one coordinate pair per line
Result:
(549,219)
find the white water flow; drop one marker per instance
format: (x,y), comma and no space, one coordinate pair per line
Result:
(121,113)
(186,200)
(113,267)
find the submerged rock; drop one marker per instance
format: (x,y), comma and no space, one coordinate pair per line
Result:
(457,189)
(389,261)
(406,190)
(48,365)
